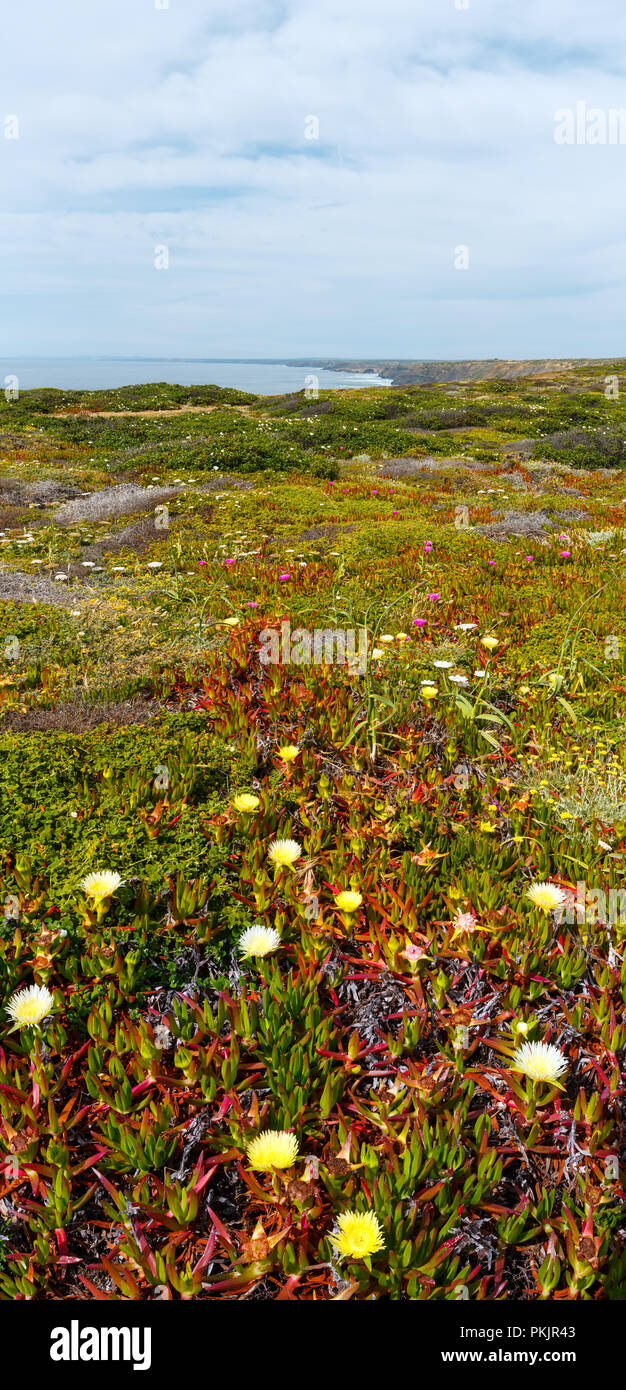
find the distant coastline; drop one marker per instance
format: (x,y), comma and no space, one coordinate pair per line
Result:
(419,372)
(277,376)
(262,378)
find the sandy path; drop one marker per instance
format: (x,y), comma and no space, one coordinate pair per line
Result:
(122,414)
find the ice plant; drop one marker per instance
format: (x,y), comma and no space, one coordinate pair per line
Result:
(29,1006)
(348,901)
(546,896)
(101,886)
(464,922)
(358,1234)
(283,853)
(246,803)
(288,753)
(490,642)
(429,692)
(273,1148)
(540,1061)
(258,941)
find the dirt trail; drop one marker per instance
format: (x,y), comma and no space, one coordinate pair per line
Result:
(122,414)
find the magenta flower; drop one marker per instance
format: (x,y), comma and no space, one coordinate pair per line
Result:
(565,553)
(433,597)
(419,622)
(530,558)
(491,562)
(251,603)
(282,577)
(202,562)
(395,513)
(229,562)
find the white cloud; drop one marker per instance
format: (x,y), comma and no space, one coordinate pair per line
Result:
(186,127)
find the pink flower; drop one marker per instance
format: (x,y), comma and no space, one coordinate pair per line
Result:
(491,562)
(412,952)
(229,562)
(564,553)
(419,622)
(251,603)
(395,513)
(282,577)
(433,597)
(202,562)
(530,557)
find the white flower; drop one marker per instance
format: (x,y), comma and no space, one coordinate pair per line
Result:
(443,665)
(100,885)
(540,1061)
(546,896)
(459,680)
(29,1006)
(258,941)
(284,852)
(465,627)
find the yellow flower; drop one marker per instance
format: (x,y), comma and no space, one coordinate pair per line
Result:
(258,941)
(540,1061)
(284,853)
(546,896)
(486,826)
(358,1234)
(229,622)
(29,1006)
(100,885)
(429,692)
(288,753)
(490,643)
(246,802)
(274,1148)
(347,901)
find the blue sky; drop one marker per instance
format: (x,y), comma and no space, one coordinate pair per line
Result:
(185,127)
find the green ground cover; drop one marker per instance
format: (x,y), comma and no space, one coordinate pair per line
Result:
(472,537)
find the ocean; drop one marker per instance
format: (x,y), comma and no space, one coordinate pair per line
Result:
(93,373)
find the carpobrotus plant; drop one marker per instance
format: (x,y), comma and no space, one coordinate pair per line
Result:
(99,889)
(273,1149)
(352,1026)
(29,1007)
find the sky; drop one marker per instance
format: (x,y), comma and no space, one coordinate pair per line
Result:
(268,178)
